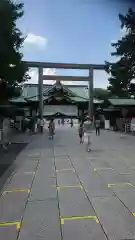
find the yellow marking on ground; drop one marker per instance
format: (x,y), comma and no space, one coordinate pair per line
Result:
(34,155)
(133,213)
(98,169)
(16,190)
(27,173)
(30,173)
(6,224)
(74,186)
(68,169)
(120,184)
(125,173)
(63,219)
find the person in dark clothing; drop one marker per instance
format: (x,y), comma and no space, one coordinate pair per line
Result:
(81,132)
(51,128)
(62,121)
(71,123)
(97,125)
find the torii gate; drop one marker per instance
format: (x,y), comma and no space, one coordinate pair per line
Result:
(41,77)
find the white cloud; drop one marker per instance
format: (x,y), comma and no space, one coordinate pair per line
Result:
(133,80)
(110,48)
(36,40)
(34,75)
(123,31)
(113,41)
(49,71)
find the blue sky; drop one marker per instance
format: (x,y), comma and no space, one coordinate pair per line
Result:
(75,31)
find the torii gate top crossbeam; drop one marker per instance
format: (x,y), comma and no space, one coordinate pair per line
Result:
(64,65)
(89,67)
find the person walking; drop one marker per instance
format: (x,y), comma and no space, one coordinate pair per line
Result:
(97,125)
(81,132)
(51,129)
(62,121)
(88,125)
(71,123)
(41,125)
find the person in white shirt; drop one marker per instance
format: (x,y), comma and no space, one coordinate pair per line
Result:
(88,125)
(97,125)
(41,125)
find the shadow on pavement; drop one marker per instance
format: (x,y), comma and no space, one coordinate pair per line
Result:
(6,160)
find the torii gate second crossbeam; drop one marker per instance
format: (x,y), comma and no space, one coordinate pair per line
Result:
(41,77)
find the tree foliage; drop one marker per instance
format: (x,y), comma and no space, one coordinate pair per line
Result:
(101,93)
(123,71)
(13,72)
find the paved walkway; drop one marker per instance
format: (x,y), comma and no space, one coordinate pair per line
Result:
(58,191)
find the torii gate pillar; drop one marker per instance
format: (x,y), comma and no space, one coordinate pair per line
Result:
(90,90)
(40,92)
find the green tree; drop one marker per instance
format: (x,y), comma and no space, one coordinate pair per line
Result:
(101,93)
(13,72)
(123,71)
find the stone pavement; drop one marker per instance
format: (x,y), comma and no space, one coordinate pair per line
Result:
(59,191)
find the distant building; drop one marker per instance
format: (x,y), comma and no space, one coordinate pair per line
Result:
(59,100)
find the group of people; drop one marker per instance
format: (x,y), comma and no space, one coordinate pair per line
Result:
(86,127)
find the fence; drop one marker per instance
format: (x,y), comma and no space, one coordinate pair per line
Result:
(124,125)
